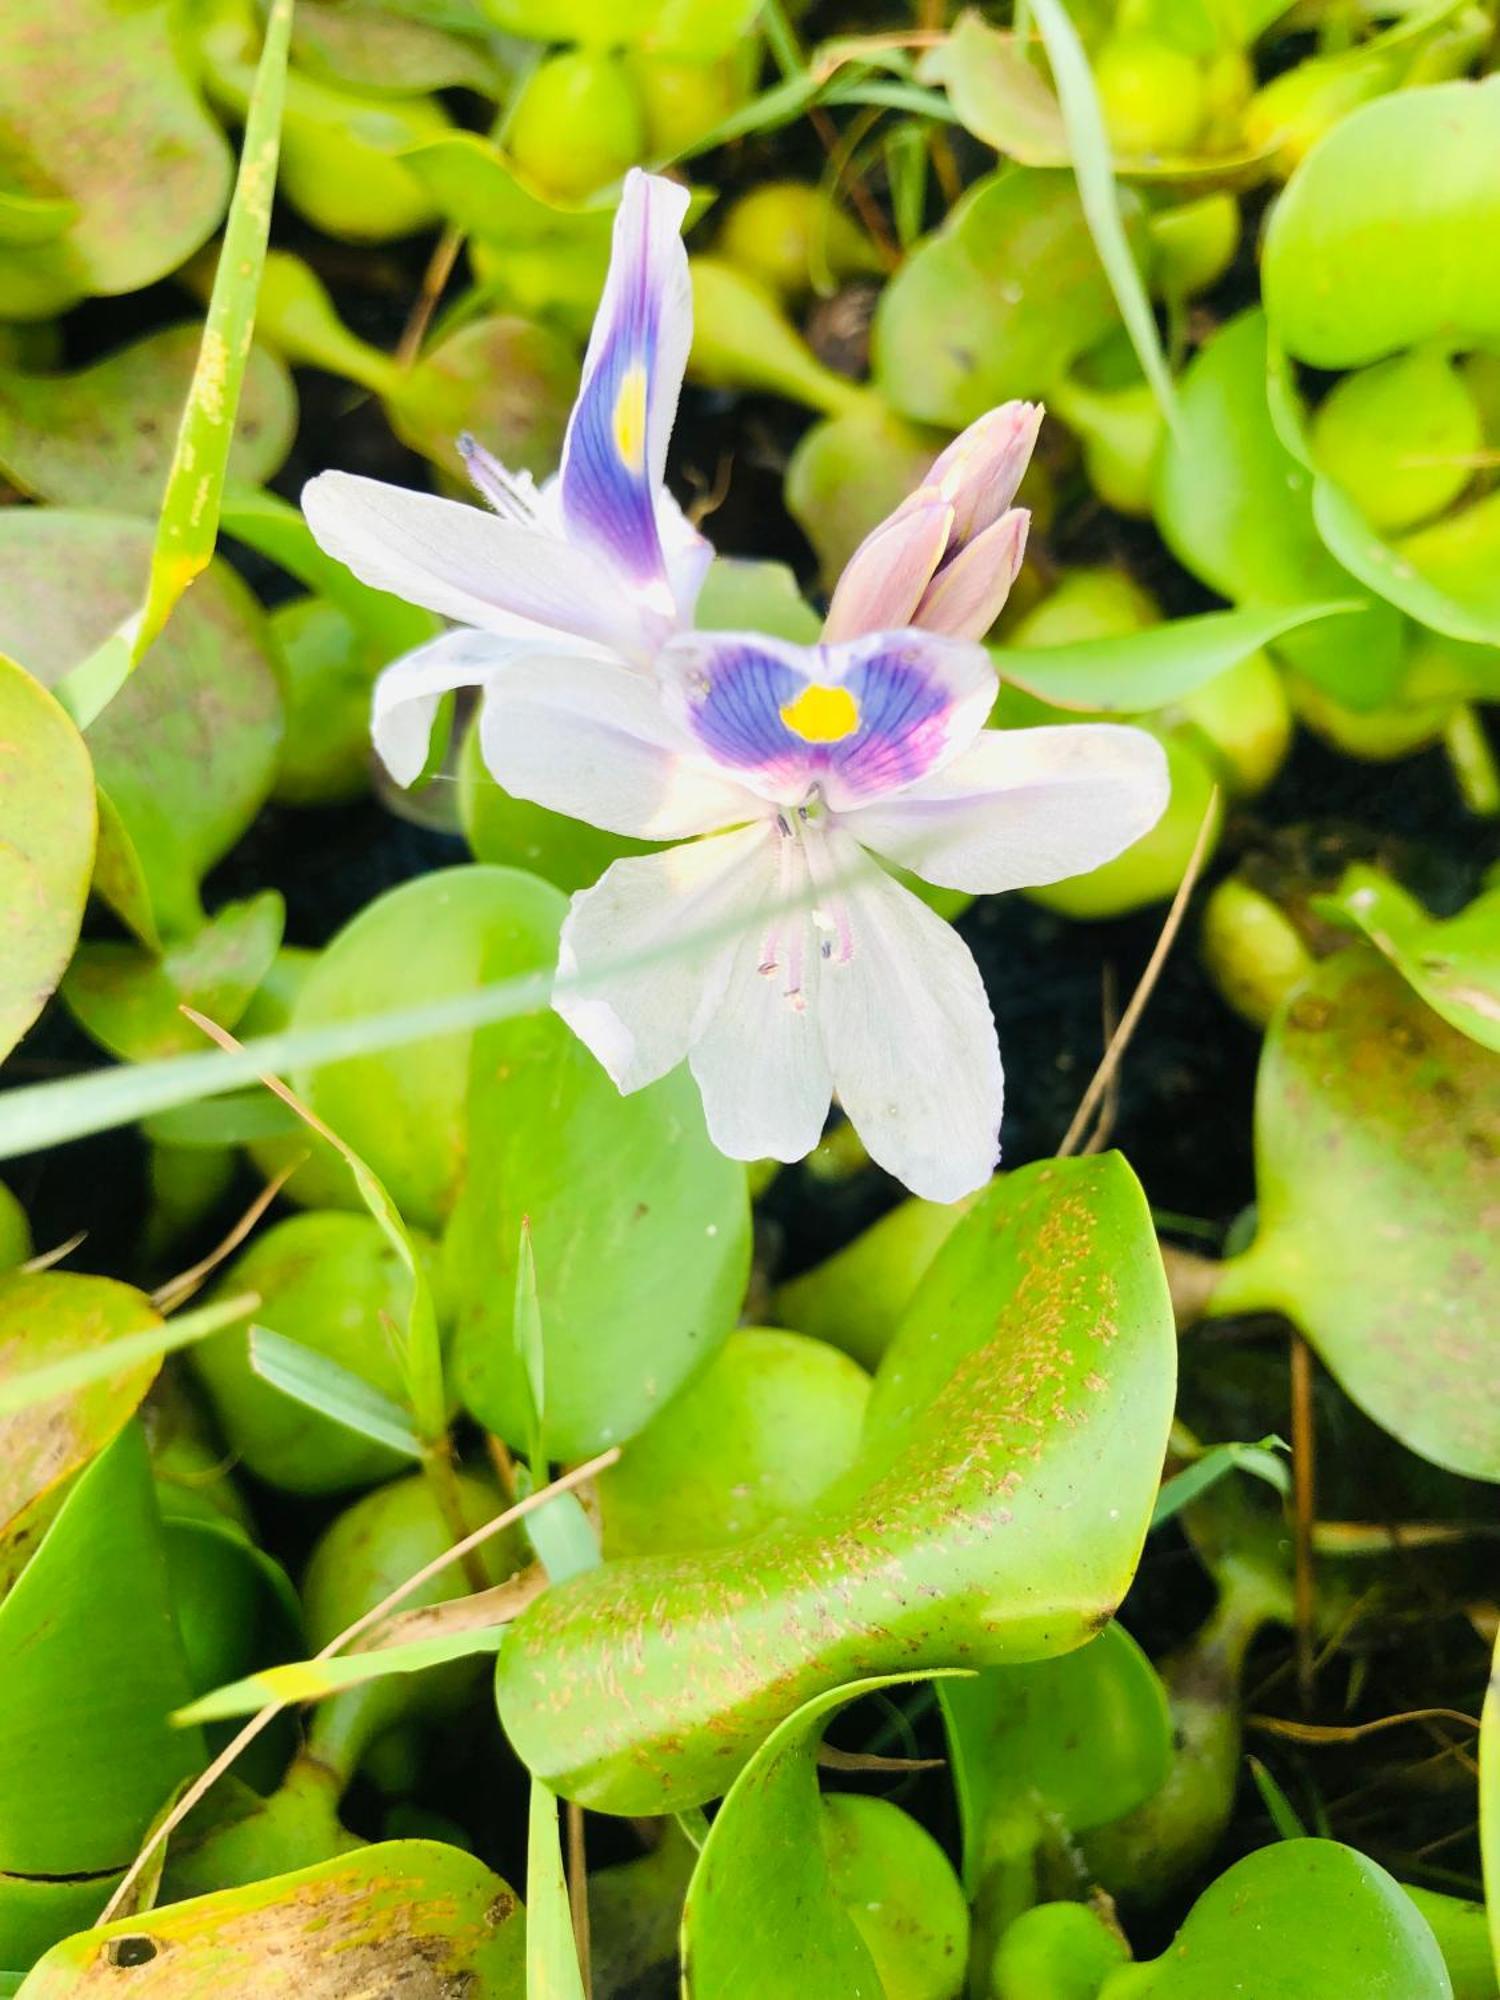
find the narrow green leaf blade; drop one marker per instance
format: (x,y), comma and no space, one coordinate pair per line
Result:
(313,1680)
(189,521)
(1094,170)
(75,1371)
(551,1955)
(322,1385)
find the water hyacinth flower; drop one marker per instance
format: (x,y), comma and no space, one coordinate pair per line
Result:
(599,561)
(946,558)
(822,973)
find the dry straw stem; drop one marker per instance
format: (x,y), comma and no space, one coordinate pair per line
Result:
(1130,1019)
(204,1783)
(177,1291)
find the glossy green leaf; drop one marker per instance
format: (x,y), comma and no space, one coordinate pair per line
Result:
(552,1971)
(856,1298)
(407,1114)
(84,1738)
(635,1913)
(1376,1131)
(763,1916)
(741,596)
(188,749)
(102,437)
(509,382)
(1311,1918)
(1452,962)
(1218,1462)
(1138,671)
(998,303)
(15,1232)
(188,523)
(1371,246)
(149,187)
(1235,507)
(369,48)
(47,1317)
(1069,1743)
(1016,1379)
(130,1001)
(999,96)
(641,1231)
(760,1432)
(403,1915)
(47,831)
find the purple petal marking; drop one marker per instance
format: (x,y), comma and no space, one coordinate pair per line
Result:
(616,435)
(855,721)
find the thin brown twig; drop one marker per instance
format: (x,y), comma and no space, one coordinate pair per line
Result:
(264,1717)
(578,1892)
(1130,1019)
(45,1259)
(1109,1108)
(1351,1732)
(434,278)
(1304,1514)
(177,1291)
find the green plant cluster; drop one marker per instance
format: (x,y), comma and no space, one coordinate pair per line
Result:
(993,1496)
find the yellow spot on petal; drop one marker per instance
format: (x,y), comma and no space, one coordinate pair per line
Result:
(629,420)
(822,714)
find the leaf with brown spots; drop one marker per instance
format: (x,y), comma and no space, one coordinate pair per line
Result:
(48,1316)
(47,826)
(407,1916)
(1377,1132)
(1009,1466)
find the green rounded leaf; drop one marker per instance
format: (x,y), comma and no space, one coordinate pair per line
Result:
(996,1511)
(103,437)
(152,181)
(1377,1127)
(405,1113)
(1303,1920)
(764,1917)
(760,1432)
(334,1283)
(1235,507)
(640,1228)
(47,828)
(1452,962)
(49,1316)
(1372,246)
(130,1001)
(187,749)
(403,1916)
(999,303)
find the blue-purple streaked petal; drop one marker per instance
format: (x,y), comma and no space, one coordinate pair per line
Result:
(616,442)
(853,721)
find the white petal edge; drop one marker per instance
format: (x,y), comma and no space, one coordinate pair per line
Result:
(590,738)
(408,691)
(467,564)
(683,904)
(910,1037)
(1023,807)
(760,1062)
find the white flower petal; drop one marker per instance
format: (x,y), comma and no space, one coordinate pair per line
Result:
(1022,807)
(910,1037)
(687,554)
(467,564)
(590,738)
(640,1024)
(409,690)
(759,1060)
